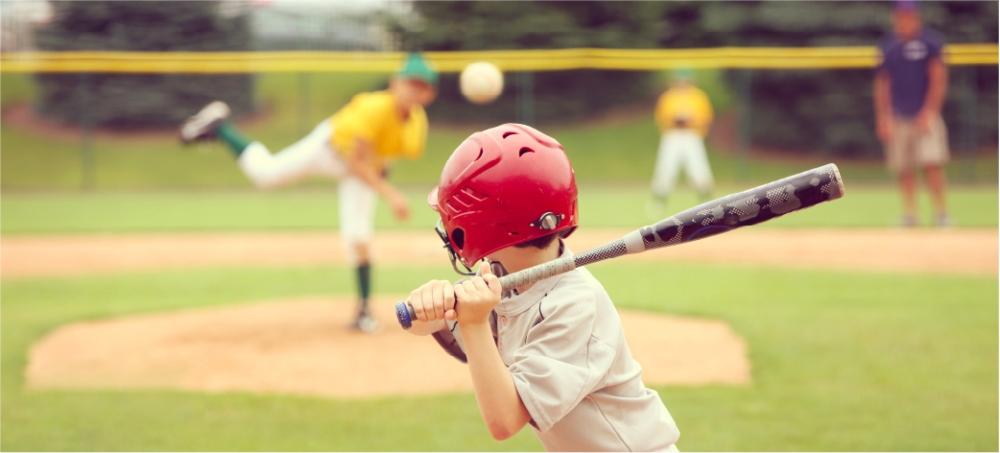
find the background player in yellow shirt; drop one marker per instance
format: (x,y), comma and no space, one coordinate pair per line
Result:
(684,115)
(354,146)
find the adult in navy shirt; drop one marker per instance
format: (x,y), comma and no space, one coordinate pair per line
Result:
(910,85)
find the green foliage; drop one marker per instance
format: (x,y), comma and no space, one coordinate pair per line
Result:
(815,111)
(557,96)
(139,100)
(830,111)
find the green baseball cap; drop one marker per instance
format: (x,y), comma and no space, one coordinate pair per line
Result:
(416,67)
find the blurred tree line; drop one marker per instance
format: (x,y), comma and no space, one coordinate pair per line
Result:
(827,110)
(831,110)
(810,110)
(140,100)
(495,25)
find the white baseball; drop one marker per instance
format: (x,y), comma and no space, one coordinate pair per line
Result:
(481,82)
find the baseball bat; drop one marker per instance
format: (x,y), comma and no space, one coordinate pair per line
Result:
(728,213)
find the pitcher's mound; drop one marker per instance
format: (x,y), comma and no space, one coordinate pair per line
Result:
(303,346)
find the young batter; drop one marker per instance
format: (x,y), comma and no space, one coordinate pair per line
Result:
(356,146)
(552,354)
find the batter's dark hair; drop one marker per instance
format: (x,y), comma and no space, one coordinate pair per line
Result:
(542,242)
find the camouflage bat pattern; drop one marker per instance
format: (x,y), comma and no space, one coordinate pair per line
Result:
(749,207)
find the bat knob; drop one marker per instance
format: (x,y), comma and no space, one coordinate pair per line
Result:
(405,314)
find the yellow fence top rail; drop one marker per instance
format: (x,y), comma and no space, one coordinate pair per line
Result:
(508,60)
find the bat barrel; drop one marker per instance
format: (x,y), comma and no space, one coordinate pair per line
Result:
(749,207)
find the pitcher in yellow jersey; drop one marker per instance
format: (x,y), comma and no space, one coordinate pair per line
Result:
(684,115)
(355,146)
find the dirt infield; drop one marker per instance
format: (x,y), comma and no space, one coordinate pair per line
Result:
(301,346)
(962,251)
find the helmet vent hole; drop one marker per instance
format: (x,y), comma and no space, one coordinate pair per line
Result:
(480,154)
(524,151)
(509,133)
(458,238)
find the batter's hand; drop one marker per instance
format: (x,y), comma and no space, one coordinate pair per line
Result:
(434,300)
(477,296)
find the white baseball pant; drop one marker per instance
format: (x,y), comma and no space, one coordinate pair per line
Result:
(681,148)
(313,156)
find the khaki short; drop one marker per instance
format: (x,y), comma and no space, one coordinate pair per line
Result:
(910,149)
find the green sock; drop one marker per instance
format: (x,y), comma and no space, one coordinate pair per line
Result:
(364,287)
(236,141)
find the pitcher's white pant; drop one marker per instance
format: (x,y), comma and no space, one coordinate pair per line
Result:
(313,156)
(681,148)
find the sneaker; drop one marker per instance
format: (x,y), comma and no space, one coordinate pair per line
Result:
(943,221)
(204,123)
(908,221)
(365,324)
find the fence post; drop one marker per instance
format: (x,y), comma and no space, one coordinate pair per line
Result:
(525,97)
(970,108)
(303,103)
(87,158)
(745,77)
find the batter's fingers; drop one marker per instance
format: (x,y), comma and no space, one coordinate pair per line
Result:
(427,294)
(416,301)
(493,282)
(438,289)
(480,285)
(461,292)
(449,296)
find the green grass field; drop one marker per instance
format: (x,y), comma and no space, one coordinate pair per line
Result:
(840,360)
(600,206)
(887,362)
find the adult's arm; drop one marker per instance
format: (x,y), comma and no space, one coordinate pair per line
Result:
(937,73)
(883,106)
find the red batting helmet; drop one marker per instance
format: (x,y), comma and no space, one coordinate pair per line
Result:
(501,187)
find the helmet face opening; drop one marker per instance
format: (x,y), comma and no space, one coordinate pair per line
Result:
(458,238)
(452,255)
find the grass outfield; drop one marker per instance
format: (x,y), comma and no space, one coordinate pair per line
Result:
(601,206)
(619,150)
(841,361)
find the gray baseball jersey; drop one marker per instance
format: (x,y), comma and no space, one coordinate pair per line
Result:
(563,343)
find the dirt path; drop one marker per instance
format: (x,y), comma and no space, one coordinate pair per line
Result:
(301,347)
(956,251)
